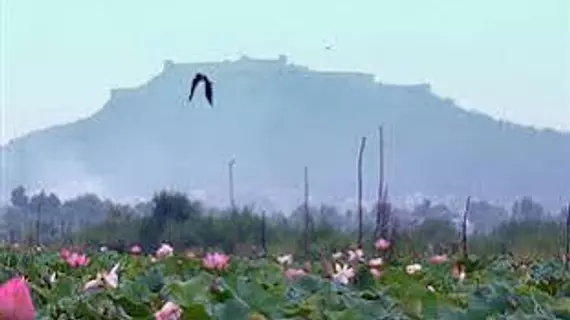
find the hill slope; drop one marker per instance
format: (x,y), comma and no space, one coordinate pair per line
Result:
(275,118)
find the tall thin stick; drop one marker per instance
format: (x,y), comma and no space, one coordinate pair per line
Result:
(236,227)
(38,221)
(464,228)
(263,234)
(379,219)
(567,257)
(385,214)
(360,153)
(307,242)
(231,184)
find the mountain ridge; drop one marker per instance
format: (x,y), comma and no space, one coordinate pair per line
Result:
(276,100)
(113,92)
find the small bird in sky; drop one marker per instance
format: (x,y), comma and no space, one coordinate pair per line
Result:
(199,77)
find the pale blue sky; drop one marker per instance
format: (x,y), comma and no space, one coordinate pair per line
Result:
(508,58)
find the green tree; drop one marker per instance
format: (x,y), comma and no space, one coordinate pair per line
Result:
(527,210)
(19,198)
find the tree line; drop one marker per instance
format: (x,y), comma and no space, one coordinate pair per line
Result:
(172,216)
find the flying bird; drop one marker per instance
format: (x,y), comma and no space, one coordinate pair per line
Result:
(208,87)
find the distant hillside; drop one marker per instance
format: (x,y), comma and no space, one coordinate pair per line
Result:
(275,118)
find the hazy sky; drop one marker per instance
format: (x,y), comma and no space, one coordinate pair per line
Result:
(508,58)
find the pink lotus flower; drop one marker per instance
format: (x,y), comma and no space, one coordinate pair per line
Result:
(76,260)
(438,259)
(343,273)
(164,251)
(355,255)
(169,311)
(64,253)
(382,244)
(375,273)
(15,300)
(136,249)
(458,272)
(216,261)
(376,262)
(293,274)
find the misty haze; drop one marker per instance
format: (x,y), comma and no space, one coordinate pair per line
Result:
(274,118)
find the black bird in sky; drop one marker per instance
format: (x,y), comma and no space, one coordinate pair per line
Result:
(208,87)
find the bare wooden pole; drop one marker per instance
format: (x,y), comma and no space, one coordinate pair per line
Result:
(38,224)
(233,208)
(231,184)
(567,256)
(307,240)
(263,234)
(359,177)
(379,203)
(38,221)
(464,228)
(385,211)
